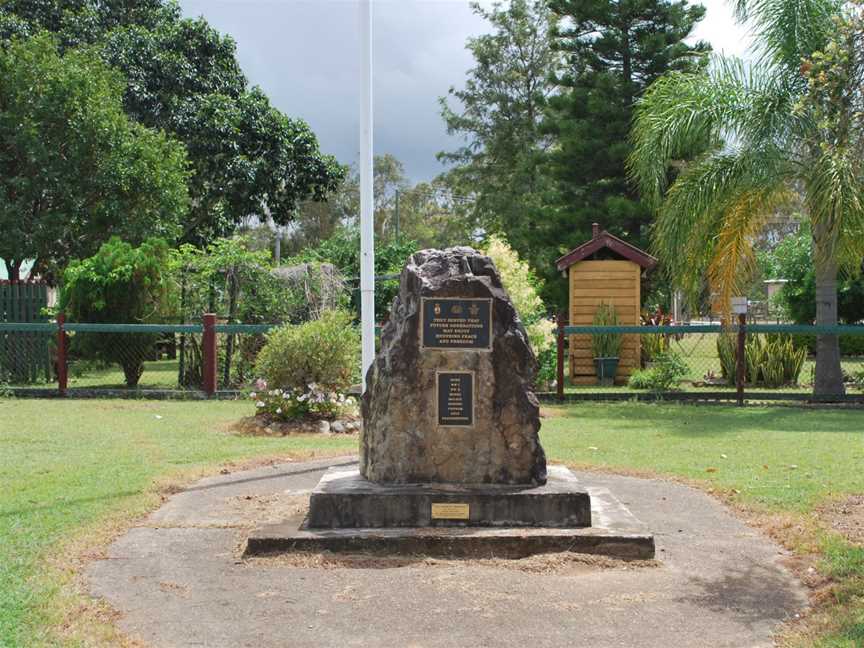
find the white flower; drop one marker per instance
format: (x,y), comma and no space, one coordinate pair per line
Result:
(260,404)
(302,397)
(253,395)
(278,410)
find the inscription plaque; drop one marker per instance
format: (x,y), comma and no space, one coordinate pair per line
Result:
(457,323)
(455,398)
(449,511)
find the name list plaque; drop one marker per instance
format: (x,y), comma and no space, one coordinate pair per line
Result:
(457,324)
(455,398)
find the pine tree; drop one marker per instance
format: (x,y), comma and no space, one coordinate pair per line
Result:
(613,50)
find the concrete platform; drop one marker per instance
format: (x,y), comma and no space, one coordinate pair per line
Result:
(615,532)
(176,580)
(343,499)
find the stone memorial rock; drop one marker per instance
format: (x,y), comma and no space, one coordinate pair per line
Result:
(449,397)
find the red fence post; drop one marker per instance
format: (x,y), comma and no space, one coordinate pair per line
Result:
(208,351)
(740,359)
(560,369)
(62,367)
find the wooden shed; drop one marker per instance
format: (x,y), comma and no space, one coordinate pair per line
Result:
(604,269)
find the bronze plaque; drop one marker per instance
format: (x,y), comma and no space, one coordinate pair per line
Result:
(449,511)
(457,323)
(455,398)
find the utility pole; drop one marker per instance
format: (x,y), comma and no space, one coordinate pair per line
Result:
(367,242)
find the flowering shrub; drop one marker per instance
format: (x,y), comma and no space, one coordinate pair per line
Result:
(292,404)
(523,286)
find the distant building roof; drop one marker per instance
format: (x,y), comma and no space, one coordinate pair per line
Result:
(604,240)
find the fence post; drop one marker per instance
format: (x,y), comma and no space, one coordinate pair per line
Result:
(208,353)
(62,366)
(740,358)
(560,368)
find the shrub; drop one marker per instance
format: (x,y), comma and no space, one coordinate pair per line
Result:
(665,374)
(548,367)
(771,361)
(653,346)
(605,345)
(523,286)
(291,404)
(119,284)
(850,345)
(323,352)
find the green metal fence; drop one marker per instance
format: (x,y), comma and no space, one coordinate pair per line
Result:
(778,363)
(25,352)
(159,359)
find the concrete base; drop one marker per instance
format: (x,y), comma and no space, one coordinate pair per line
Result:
(615,533)
(343,499)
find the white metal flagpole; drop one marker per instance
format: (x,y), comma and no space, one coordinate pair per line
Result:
(367,243)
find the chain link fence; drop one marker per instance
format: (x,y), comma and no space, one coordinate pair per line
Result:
(702,362)
(698,362)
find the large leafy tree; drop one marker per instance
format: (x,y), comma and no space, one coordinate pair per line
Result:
(793,122)
(792,260)
(614,50)
(246,157)
(498,113)
(74,169)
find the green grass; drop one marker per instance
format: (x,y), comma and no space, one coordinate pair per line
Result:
(158,374)
(826,447)
(67,465)
(69,468)
(773,460)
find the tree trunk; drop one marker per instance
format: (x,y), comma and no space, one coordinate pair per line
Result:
(829,374)
(13,269)
(132,372)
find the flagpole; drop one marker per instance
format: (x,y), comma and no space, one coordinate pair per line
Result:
(367,244)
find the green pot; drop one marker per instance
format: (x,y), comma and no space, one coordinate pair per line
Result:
(606,369)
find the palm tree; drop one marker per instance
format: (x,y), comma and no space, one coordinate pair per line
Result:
(719,151)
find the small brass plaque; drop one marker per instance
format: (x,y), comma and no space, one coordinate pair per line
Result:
(449,511)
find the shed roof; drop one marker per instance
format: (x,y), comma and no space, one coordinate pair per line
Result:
(605,240)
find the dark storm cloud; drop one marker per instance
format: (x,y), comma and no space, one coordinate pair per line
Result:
(305,56)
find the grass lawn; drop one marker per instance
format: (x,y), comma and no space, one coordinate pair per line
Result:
(778,465)
(72,473)
(158,374)
(71,469)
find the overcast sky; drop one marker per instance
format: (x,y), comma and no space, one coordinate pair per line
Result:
(304,54)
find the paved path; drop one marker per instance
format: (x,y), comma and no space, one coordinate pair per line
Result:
(177,581)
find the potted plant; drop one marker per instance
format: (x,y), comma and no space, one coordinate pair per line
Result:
(606,347)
